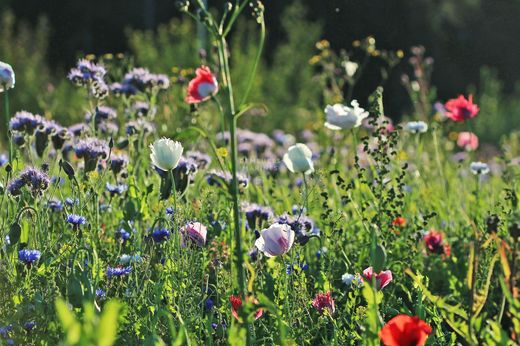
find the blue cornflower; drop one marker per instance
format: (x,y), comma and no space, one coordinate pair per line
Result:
(160,235)
(100,294)
(29,256)
(70,202)
(118,271)
(5,330)
(169,211)
(105,208)
(209,304)
(55,205)
(76,220)
(3,159)
(116,189)
(29,325)
(123,234)
(125,259)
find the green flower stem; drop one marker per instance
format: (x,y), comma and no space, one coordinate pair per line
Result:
(256,62)
(7,119)
(174,191)
(305,194)
(234,182)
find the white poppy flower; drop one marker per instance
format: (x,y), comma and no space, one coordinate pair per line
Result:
(344,117)
(350,67)
(166,153)
(479,168)
(417,127)
(298,159)
(275,240)
(7,79)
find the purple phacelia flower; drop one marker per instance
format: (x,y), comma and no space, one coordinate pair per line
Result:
(123,89)
(38,181)
(86,72)
(26,122)
(201,159)
(215,178)
(256,214)
(79,129)
(118,162)
(138,126)
(143,109)
(101,113)
(91,148)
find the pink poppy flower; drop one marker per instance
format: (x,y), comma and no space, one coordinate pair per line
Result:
(324,302)
(202,87)
(467,141)
(460,109)
(196,232)
(275,240)
(382,279)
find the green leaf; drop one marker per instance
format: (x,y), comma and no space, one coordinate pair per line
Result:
(14,233)
(68,321)
(379,258)
(107,327)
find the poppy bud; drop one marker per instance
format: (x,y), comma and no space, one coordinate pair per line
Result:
(514,230)
(492,222)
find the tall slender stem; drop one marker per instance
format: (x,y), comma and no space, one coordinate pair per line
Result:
(234,182)
(7,119)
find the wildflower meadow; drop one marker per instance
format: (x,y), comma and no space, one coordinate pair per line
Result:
(179,211)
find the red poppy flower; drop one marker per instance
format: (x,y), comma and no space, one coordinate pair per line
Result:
(460,109)
(434,242)
(236,303)
(382,279)
(202,87)
(399,221)
(404,330)
(324,302)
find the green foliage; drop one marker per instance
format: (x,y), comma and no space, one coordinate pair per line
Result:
(498,113)
(91,329)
